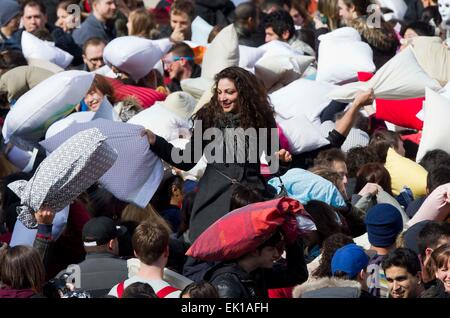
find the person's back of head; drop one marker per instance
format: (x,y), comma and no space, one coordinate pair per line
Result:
(142,23)
(430,15)
(360,7)
(21,267)
(349,261)
(244,11)
(170,189)
(373,173)
(269,6)
(390,137)
(431,236)
(330,10)
(326,157)
(357,157)
(10,59)
(100,235)
(437,177)
(421,28)
(151,241)
(281,24)
(434,158)
(243,195)
(329,247)
(139,290)
(325,218)
(384,223)
(202,289)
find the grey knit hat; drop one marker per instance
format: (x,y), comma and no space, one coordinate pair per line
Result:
(8,10)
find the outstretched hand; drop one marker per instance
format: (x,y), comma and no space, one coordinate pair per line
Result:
(284,155)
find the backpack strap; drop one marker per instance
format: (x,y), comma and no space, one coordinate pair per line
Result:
(120,289)
(162,293)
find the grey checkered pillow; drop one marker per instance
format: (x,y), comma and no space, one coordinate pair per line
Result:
(73,167)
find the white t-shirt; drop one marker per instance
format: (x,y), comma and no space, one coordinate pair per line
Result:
(156,284)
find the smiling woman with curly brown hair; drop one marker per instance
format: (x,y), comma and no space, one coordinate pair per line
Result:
(239,102)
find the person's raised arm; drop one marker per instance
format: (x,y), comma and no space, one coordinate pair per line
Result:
(44,240)
(344,124)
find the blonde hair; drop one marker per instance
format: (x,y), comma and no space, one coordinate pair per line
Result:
(142,23)
(330,9)
(137,214)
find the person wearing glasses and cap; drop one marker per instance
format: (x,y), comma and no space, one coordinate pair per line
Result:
(179,65)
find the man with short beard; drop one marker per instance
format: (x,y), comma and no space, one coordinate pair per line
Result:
(403,273)
(100,23)
(179,65)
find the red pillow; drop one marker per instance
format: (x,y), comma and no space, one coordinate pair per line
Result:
(364,76)
(146,96)
(401,112)
(415,138)
(243,230)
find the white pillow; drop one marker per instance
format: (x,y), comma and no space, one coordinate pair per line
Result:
(164,44)
(35,48)
(301,97)
(60,125)
(105,70)
(277,71)
(50,100)
(133,55)
(200,31)
(248,56)
(400,78)
(199,169)
(302,134)
(342,34)
(137,172)
(436,129)
(162,122)
(446,91)
(223,52)
(276,47)
(341,58)
(196,86)
(105,111)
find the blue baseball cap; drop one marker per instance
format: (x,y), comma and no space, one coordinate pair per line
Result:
(350,259)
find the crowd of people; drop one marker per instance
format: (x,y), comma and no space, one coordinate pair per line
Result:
(245,177)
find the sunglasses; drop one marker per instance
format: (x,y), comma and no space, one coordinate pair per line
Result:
(169,60)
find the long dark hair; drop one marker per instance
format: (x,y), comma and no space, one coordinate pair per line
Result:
(375,173)
(254,108)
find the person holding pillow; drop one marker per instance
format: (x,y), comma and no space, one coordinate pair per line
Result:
(239,101)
